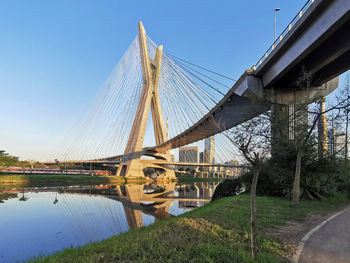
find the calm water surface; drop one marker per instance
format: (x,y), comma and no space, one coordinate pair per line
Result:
(41,221)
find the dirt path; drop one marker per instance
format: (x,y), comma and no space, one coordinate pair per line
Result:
(321,238)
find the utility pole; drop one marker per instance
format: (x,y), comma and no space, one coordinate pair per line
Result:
(275,11)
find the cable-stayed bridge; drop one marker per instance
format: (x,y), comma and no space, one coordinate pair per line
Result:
(188,105)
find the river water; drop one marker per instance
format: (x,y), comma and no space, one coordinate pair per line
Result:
(41,221)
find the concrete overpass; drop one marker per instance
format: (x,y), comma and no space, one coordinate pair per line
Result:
(316,43)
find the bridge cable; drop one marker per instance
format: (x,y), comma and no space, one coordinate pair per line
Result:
(211,71)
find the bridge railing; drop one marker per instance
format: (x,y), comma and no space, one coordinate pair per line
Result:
(283,34)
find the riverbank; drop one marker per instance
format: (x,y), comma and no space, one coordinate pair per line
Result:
(32,180)
(216,232)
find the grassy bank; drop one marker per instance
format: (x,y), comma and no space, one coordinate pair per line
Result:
(217,232)
(32,180)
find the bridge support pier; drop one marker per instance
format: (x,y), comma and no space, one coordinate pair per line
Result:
(289,110)
(288,123)
(134,169)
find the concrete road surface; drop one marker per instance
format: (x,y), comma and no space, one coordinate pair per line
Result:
(330,243)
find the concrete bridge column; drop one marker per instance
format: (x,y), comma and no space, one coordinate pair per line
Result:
(289,110)
(288,123)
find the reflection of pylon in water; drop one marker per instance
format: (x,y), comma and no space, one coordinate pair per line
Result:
(132,165)
(135,195)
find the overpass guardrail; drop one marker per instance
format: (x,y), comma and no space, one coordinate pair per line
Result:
(284,33)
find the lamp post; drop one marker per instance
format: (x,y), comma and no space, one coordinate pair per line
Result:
(275,11)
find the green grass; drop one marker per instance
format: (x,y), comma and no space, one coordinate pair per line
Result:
(216,232)
(32,180)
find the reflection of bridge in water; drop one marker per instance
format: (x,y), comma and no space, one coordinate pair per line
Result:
(156,200)
(136,199)
(192,194)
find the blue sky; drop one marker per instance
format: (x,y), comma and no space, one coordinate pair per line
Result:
(54,55)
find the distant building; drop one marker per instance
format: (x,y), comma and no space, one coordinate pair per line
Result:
(322,131)
(339,144)
(201,157)
(330,142)
(201,160)
(336,143)
(188,154)
(209,152)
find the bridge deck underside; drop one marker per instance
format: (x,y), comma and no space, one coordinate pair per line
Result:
(231,111)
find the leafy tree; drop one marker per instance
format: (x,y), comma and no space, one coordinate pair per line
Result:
(321,178)
(305,137)
(8,160)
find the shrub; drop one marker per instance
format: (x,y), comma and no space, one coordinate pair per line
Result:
(348,189)
(345,188)
(229,187)
(319,178)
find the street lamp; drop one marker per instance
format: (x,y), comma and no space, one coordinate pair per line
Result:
(275,11)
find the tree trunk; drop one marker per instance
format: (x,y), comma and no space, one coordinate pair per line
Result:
(296,184)
(254,249)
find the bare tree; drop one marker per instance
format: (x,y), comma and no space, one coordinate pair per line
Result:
(345,93)
(251,139)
